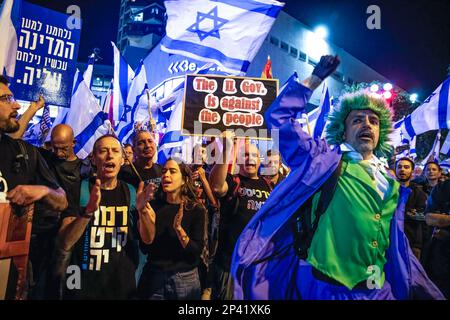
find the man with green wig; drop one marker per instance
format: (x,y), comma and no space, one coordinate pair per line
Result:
(333,229)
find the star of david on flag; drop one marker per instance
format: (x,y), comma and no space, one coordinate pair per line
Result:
(228,33)
(214,32)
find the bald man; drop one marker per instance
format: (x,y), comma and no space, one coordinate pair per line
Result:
(68,170)
(240,198)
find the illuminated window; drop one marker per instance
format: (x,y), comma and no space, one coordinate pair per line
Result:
(138,17)
(97,82)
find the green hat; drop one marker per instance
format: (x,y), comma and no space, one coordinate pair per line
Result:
(360,100)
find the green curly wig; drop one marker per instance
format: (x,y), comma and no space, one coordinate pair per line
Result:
(360,100)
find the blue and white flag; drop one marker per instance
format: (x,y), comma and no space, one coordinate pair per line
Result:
(62,112)
(412,148)
(123,75)
(172,142)
(10,19)
(136,107)
(434,152)
(87,120)
(87,75)
(432,114)
(317,118)
(226,32)
(446,146)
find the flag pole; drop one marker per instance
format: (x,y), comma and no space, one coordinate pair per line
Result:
(123,152)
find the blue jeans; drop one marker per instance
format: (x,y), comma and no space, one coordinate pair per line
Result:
(155,285)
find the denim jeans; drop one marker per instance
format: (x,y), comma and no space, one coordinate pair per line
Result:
(155,285)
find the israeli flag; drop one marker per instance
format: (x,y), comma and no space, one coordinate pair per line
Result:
(434,152)
(172,142)
(87,75)
(446,146)
(136,107)
(87,120)
(123,75)
(226,32)
(412,148)
(10,18)
(317,118)
(433,114)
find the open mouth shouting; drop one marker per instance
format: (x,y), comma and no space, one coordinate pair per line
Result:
(366,136)
(109,167)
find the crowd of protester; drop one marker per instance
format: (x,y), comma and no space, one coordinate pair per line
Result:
(137,229)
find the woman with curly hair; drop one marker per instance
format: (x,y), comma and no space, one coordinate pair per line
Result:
(176,239)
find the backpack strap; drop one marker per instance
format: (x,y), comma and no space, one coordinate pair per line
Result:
(132,193)
(305,228)
(85,193)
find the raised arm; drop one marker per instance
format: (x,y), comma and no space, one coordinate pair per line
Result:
(218,175)
(147,216)
(72,228)
(294,143)
(27,116)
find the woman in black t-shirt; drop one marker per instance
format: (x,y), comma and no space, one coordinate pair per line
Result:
(176,241)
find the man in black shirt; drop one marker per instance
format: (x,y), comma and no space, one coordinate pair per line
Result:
(67,168)
(415,226)
(144,149)
(103,233)
(241,196)
(24,174)
(437,260)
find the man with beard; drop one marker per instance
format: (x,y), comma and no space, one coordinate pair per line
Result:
(415,226)
(240,196)
(25,176)
(144,149)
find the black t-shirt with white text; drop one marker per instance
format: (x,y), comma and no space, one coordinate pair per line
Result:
(251,195)
(107,251)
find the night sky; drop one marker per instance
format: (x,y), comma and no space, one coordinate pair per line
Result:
(412,48)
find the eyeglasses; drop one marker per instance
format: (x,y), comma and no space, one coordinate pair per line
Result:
(7,98)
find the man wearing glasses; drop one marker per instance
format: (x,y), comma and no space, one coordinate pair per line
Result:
(24,174)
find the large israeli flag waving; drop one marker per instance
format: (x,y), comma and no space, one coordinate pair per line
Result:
(226,32)
(87,120)
(10,18)
(432,114)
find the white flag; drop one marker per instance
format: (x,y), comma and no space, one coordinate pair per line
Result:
(10,18)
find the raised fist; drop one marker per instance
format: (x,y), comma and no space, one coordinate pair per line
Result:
(326,66)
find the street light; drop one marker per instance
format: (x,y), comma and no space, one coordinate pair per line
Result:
(387,87)
(321,32)
(413,97)
(374,88)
